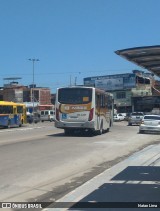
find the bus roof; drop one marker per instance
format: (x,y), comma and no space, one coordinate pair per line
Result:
(10,103)
(89,87)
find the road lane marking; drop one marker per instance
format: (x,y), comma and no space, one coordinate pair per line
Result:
(20,129)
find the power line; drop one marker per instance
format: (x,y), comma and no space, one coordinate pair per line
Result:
(79,72)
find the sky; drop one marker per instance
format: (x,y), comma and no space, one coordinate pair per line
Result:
(72,39)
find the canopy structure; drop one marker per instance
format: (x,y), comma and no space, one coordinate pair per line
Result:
(147,57)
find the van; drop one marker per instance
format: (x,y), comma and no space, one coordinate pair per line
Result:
(47,115)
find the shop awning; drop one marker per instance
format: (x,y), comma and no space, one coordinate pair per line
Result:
(147,57)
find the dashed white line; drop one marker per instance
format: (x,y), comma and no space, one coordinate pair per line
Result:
(20,129)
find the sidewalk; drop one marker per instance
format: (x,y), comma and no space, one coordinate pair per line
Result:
(136,179)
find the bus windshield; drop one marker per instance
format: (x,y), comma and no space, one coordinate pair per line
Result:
(74,95)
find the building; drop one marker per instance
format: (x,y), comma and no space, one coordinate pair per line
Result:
(147,57)
(15,92)
(53,98)
(41,95)
(124,87)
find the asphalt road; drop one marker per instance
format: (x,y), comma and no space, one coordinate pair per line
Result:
(39,163)
(132,184)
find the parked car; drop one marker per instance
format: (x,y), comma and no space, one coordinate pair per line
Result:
(33,118)
(127,116)
(135,118)
(150,123)
(118,117)
(47,115)
(124,114)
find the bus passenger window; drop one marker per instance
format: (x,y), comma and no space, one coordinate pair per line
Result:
(98,100)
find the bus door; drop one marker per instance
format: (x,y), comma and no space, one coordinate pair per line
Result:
(15,115)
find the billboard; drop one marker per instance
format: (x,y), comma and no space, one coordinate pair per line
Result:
(112,82)
(129,81)
(109,84)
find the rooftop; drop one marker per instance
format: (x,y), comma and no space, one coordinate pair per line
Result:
(147,57)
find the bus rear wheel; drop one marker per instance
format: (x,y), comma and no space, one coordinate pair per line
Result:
(8,125)
(100,131)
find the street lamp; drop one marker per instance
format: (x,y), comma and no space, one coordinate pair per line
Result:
(33,61)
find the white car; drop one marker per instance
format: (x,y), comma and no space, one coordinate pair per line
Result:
(135,118)
(47,115)
(118,117)
(150,123)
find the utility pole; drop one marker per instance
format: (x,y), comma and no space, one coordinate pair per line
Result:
(33,62)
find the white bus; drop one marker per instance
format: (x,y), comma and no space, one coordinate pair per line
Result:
(83,108)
